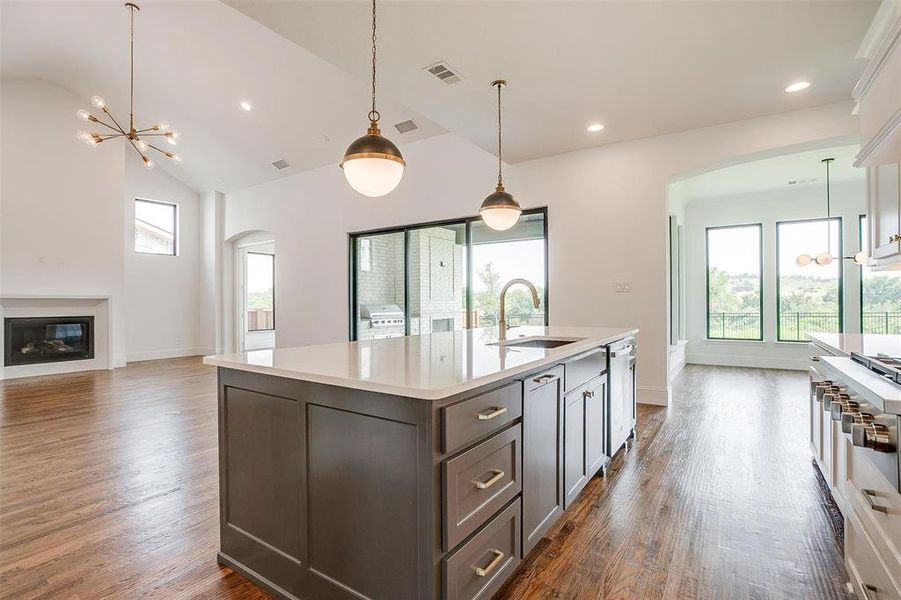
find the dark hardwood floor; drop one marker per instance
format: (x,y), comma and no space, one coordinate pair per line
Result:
(108,488)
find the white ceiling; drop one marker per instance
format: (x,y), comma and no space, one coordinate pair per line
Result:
(804,169)
(640,68)
(195,61)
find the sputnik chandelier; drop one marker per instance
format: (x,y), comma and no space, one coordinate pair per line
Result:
(135,137)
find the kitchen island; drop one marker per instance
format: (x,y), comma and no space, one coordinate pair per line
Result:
(413,467)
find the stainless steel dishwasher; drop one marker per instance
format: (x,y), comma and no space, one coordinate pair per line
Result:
(621,394)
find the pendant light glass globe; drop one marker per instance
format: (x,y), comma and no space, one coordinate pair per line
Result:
(372,165)
(824,259)
(500,210)
(803,260)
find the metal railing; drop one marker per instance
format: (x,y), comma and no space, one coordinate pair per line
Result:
(882,322)
(794,326)
(733,326)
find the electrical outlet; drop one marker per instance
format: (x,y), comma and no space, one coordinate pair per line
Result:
(623,287)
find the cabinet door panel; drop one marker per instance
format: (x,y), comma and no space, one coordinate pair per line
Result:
(574,467)
(542,455)
(595,426)
(886,208)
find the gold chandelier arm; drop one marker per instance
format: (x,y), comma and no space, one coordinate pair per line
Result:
(165,153)
(152,134)
(113,119)
(108,126)
(104,137)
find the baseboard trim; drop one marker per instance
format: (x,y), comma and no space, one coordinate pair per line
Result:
(170,353)
(760,362)
(648,394)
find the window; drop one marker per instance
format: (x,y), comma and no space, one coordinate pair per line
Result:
(445,276)
(156,225)
(734,282)
(880,295)
(809,298)
(260,283)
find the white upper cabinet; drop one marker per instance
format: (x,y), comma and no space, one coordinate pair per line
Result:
(884,210)
(878,93)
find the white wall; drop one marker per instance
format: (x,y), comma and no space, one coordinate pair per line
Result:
(163,294)
(607,222)
(67,226)
(62,202)
(790,203)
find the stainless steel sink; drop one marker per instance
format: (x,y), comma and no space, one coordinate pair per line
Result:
(537,342)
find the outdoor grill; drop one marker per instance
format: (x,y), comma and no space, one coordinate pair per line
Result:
(382,315)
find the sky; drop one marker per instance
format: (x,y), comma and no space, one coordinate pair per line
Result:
(511,259)
(259,272)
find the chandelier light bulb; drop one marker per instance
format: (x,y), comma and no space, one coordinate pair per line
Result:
(162,126)
(803,260)
(142,145)
(83,114)
(148,163)
(83,135)
(171,140)
(824,259)
(176,157)
(98,102)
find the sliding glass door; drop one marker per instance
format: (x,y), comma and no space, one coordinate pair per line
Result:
(445,276)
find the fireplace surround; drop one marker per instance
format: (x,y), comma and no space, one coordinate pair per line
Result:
(33,340)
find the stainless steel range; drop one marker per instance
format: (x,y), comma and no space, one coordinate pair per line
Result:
(867,406)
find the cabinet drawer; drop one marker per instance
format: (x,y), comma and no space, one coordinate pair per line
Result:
(584,368)
(876,501)
(870,577)
(479,482)
(482,564)
(474,418)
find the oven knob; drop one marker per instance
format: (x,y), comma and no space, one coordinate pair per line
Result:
(849,418)
(837,396)
(822,388)
(872,435)
(843,406)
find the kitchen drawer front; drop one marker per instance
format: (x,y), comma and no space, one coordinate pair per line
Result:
(479,482)
(870,577)
(584,368)
(876,501)
(481,565)
(471,419)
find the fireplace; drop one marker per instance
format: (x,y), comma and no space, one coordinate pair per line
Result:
(33,340)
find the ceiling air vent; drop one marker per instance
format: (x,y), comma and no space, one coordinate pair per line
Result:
(406,126)
(444,72)
(281,164)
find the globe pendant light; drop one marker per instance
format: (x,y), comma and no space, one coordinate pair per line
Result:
(500,210)
(373,165)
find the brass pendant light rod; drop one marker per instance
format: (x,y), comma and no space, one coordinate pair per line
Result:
(131,66)
(499,83)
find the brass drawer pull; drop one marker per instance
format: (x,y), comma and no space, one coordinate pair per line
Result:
(491,413)
(484,485)
(498,557)
(546,379)
(815,358)
(869,495)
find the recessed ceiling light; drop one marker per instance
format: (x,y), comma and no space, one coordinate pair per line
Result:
(797,87)
(595,127)
(246,106)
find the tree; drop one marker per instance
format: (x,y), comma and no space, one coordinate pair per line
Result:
(519,300)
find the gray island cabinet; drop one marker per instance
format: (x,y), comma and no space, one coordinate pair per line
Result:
(417,467)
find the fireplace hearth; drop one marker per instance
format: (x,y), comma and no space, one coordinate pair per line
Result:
(32,340)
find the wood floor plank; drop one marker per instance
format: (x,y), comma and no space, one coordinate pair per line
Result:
(109,483)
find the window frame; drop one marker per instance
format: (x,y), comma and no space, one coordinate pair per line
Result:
(707,230)
(467,222)
(272,254)
(175,226)
(841,277)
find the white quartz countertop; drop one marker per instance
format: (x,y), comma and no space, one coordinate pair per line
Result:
(429,367)
(871,344)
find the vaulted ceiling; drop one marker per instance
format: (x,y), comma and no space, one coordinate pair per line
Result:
(640,68)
